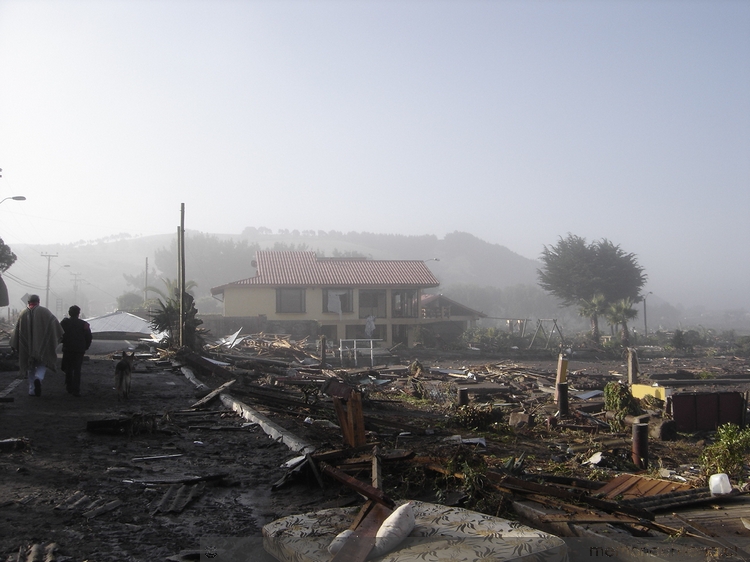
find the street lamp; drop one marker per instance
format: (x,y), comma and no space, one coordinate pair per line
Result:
(15,198)
(645,321)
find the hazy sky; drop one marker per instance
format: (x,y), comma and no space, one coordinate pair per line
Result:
(516,121)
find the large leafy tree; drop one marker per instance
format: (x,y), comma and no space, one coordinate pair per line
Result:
(590,276)
(7,257)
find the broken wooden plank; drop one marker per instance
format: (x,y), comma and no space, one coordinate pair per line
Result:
(361,487)
(114,504)
(346,429)
(213,394)
(361,542)
(156,457)
(314,468)
(517,484)
(356,419)
(177,497)
(343,453)
(185,480)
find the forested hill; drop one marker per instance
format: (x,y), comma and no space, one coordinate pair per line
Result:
(457,258)
(96,273)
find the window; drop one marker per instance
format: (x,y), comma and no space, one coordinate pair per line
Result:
(338,300)
(330,332)
(405,304)
(290,300)
(372,303)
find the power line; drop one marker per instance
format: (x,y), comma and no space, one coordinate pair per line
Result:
(21,281)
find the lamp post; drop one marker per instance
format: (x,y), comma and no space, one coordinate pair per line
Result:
(645,321)
(15,198)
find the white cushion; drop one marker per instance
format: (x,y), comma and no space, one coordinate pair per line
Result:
(394,529)
(339,541)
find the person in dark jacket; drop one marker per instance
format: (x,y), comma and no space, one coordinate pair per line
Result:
(75,341)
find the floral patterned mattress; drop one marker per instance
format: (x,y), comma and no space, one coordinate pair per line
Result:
(441,534)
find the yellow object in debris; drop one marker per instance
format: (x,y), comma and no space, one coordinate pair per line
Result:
(641,390)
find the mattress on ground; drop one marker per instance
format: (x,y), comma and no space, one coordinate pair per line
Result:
(441,534)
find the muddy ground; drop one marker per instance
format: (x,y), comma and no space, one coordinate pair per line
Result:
(50,489)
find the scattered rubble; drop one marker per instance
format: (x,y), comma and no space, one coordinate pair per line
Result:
(570,452)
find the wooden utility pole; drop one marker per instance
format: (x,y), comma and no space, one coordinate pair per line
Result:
(181,272)
(49,260)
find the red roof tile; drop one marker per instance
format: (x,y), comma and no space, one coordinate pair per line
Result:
(306,269)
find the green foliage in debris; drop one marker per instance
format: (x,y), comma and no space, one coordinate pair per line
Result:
(618,399)
(727,453)
(490,339)
(474,417)
(743,346)
(167,319)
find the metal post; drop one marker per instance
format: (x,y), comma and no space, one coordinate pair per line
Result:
(562,373)
(562,398)
(640,445)
(181,274)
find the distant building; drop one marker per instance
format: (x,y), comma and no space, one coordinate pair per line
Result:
(301,294)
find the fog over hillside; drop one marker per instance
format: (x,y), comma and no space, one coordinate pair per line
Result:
(488,277)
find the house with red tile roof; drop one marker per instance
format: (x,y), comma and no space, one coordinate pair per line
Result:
(345,298)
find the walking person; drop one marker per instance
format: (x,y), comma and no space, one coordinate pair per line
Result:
(35,337)
(75,341)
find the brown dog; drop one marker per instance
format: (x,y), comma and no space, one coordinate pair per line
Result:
(123,371)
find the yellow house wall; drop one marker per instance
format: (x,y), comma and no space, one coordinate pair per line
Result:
(255,301)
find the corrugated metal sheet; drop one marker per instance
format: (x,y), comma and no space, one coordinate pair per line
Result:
(306,269)
(120,322)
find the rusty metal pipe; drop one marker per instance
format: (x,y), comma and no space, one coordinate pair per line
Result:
(640,445)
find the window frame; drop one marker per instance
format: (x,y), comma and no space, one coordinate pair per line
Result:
(349,299)
(409,306)
(381,307)
(280,300)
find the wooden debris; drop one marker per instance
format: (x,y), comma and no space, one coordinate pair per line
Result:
(134,425)
(114,504)
(14,444)
(213,394)
(177,497)
(184,480)
(365,489)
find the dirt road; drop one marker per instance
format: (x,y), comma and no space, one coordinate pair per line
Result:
(49,489)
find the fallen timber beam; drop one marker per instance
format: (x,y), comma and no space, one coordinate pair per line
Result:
(366,490)
(196,360)
(273,430)
(250,359)
(213,394)
(362,541)
(274,396)
(519,485)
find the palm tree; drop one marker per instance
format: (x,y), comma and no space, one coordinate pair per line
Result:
(619,314)
(171,288)
(592,309)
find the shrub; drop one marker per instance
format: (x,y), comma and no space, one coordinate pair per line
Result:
(727,453)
